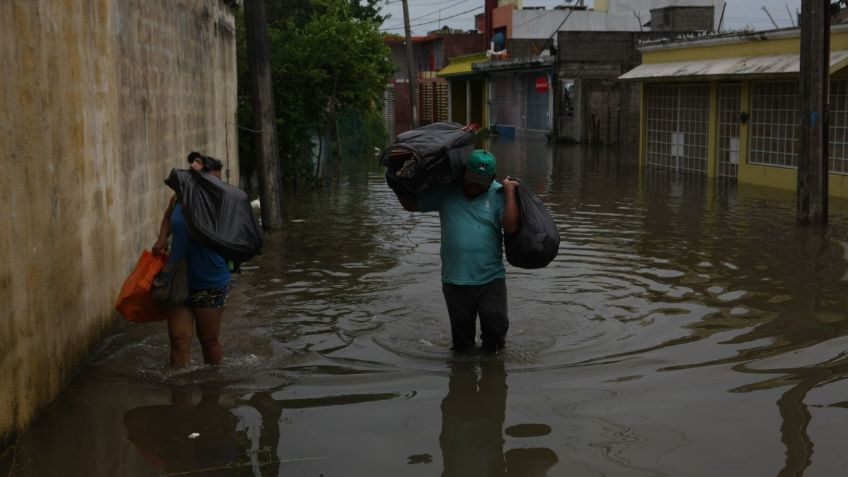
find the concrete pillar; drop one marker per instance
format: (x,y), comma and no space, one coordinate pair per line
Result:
(712,133)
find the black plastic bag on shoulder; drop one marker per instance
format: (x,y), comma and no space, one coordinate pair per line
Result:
(537,241)
(218,214)
(429,156)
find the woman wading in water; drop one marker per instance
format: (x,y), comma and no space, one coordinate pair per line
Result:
(208,280)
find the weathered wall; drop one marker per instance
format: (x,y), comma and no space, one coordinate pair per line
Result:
(99,99)
(686,19)
(606,110)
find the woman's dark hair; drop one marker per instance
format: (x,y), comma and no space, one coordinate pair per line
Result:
(194,155)
(209,162)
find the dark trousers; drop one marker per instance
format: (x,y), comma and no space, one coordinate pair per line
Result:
(466,302)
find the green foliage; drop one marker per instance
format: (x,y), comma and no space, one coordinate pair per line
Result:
(327,56)
(360,133)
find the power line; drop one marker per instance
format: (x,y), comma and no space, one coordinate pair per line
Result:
(438,11)
(435,21)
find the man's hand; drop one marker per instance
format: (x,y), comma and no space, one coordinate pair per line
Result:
(512,216)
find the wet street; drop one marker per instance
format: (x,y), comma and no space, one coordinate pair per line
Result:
(685,329)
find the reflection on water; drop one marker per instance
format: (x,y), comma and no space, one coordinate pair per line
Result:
(686,328)
(184,436)
(473,414)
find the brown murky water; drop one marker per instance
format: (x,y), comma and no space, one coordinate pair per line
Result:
(685,329)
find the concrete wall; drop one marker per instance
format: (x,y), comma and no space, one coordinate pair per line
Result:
(682,19)
(100,98)
(605,109)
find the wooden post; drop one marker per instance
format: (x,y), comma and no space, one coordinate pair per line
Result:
(815,72)
(262,91)
(410,68)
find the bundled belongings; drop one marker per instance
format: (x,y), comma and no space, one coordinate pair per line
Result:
(428,156)
(218,214)
(537,241)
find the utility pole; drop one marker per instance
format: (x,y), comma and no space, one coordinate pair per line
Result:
(410,67)
(264,118)
(815,72)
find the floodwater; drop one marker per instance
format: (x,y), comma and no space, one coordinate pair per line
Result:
(685,329)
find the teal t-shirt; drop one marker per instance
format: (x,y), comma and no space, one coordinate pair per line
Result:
(471,247)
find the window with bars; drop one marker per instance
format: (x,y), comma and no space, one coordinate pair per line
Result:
(838,130)
(774,130)
(677,126)
(425,102)
(441,99)
(728,129)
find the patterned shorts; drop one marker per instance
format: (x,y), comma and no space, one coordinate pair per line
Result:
(208,297)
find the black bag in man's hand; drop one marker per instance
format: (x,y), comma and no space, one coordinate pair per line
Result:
(218,214)
(537,241)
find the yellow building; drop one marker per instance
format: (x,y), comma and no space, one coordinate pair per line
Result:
(467,90)
(728,106)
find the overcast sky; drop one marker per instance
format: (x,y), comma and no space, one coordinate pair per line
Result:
(432,14)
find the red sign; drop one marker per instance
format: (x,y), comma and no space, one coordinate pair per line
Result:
(542,84)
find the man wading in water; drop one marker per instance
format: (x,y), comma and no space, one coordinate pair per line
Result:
(472,214)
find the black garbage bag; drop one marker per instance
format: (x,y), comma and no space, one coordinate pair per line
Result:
(537,241)
(428,156)
(218,214)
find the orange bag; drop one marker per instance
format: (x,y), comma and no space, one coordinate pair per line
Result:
(134,302)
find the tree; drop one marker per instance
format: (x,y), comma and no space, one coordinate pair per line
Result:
(327,57)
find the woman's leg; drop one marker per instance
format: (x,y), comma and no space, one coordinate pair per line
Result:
(208,323)
(181,333)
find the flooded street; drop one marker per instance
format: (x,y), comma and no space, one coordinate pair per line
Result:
(685,329)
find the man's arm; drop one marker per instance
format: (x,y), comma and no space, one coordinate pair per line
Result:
(408,202)
(511,215)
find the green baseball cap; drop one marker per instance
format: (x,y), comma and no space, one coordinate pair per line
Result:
(480,167)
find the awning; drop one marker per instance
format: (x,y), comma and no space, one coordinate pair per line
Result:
(767,65)
(461,65)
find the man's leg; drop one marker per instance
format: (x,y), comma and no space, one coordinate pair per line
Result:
(494,320)
(462,310)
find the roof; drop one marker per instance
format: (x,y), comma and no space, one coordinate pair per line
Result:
(727,38)
(461,65)
(764,65)
(514,64)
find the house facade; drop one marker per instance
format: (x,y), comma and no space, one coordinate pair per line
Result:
(728,107)
(431,54)
(555,71)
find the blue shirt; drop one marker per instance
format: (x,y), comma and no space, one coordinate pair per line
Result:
(472,242)
(206,269)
